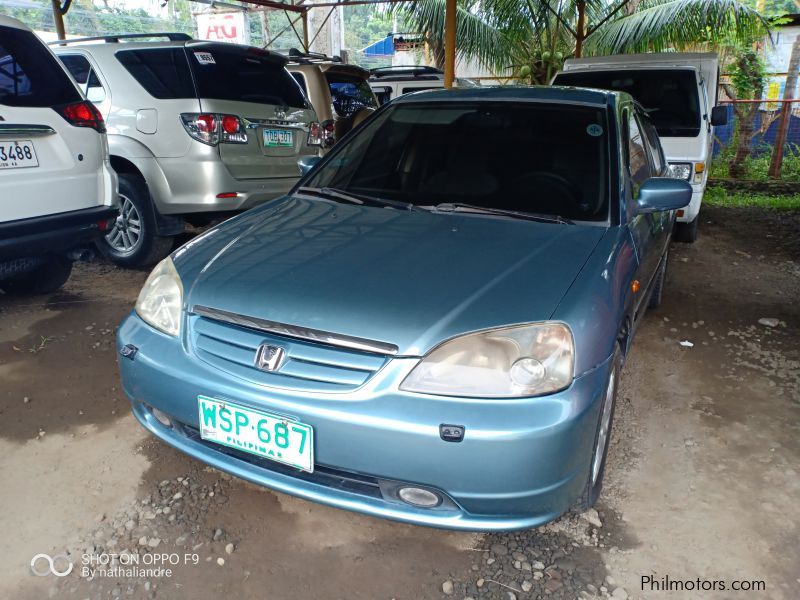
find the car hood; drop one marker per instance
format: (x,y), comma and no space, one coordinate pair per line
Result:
(407,278)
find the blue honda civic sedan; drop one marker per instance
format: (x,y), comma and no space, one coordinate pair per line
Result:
(430,326)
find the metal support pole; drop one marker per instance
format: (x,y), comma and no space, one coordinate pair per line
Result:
(305,30)
(58,19)
(450,43)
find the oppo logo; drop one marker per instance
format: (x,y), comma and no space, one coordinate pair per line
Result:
(43,565)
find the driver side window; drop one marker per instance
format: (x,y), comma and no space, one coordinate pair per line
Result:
(638,162)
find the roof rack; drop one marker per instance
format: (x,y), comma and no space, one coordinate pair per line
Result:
(295,55)
(405,70)
(115,38)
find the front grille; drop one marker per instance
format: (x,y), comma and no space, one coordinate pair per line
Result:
(308,366)
(322,475)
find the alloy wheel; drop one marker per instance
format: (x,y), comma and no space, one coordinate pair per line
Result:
(126,235)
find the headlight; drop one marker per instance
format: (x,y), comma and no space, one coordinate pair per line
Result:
(510,362)
(681,170)
(161,298)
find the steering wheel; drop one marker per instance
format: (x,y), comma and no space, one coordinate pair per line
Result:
(547,183)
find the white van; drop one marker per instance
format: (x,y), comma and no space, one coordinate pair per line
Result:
(679,93)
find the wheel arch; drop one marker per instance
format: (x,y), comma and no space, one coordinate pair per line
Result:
(165,224)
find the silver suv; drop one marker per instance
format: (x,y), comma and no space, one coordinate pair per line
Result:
(338,91)
(193,128)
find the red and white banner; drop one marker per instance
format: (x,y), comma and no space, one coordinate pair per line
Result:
(223,27)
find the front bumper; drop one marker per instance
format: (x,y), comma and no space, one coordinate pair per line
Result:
(521,463)
(691,211)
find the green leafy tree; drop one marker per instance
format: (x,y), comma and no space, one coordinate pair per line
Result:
(513,33)
(747,79)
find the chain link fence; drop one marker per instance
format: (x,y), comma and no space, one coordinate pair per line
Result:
(749,139)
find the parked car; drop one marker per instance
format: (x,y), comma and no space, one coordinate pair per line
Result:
(194,129)
(390,82)
(679,92)
(339,92)
(430,327)
(57,190)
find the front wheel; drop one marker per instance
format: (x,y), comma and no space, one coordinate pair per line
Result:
(134,242)
(687,232)
(44,279)
(597,468)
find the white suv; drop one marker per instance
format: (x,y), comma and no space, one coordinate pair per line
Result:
(195,129)
(390,82)
(58,188)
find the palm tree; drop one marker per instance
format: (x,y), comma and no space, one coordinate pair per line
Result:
(504,34)
(477,36)
(658,25)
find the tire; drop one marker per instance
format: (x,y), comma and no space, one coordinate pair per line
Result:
(687,232)
(657,293)
(44,279)
(133,242)
(597,466)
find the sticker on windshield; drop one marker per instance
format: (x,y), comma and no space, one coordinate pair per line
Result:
(205,58)
(594,130)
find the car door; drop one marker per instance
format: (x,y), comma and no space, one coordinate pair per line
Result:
(644,228)
(662,221)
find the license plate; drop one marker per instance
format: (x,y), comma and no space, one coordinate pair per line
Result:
(278,137)
(17,155)
(263,434)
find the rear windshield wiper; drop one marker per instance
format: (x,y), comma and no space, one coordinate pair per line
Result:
(337,194)
(485,210)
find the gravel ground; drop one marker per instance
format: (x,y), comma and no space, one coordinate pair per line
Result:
(701,484)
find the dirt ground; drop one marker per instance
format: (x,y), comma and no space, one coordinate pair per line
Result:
(702,484)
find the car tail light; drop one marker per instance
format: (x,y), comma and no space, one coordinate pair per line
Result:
(328,132)
(213,128)
(233,130)
(82,114)
(230,124)
(314,134)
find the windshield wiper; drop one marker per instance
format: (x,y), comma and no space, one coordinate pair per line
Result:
(337,194)
(485,210)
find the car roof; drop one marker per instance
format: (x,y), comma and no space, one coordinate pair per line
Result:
(113,43)
(12,22)
(571,95)
(406,73)
(329,66)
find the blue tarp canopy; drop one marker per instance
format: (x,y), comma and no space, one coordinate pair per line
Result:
(384,47)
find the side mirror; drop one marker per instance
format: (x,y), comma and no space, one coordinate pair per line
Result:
(306,163)
(659,194)
(719,116)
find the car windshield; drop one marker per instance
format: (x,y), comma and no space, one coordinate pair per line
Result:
(349,94)
(669,96)
(532,157)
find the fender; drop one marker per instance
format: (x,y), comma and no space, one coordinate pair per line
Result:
(606,280)
(146,164)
